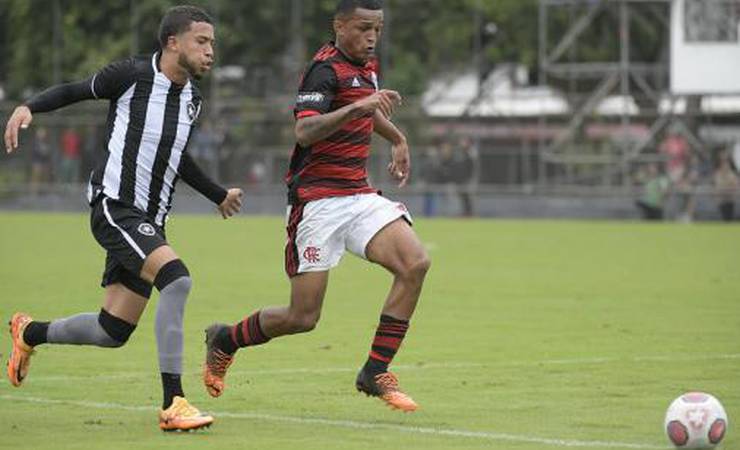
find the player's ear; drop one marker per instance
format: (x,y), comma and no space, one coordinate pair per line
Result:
(338,26)
(172,43)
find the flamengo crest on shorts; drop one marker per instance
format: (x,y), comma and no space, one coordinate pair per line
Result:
(319,232)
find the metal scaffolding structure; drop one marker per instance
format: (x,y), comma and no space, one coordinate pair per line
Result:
(624,80)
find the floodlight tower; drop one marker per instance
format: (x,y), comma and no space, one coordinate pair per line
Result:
(638,89)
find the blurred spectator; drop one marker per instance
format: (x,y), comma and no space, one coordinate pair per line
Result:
(685,188)
(655,189)
(456,171)
(40,160)
(92,151)
(205,148)
(257,174)
(727,184)
(431,176)
(676,149)
(464,172)
(446,172)
(69,167)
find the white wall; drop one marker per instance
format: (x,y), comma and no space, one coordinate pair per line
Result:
(703,68)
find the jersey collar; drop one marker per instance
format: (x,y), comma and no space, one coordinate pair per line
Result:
(155,61)
(347,58)
(156,57)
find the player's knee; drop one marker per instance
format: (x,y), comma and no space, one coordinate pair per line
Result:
(417,268)
(423,264)
(117,331)
(174,276)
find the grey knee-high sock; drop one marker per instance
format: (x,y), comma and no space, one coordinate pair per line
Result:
(169,323)
(82,329)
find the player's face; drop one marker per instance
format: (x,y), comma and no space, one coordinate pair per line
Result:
(358,34)
(196,49)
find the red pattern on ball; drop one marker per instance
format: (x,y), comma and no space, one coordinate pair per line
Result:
(677,433)
(717,431)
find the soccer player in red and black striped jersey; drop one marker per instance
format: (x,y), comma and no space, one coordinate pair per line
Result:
(333,208)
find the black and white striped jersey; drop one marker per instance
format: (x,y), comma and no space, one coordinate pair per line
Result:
(150,121)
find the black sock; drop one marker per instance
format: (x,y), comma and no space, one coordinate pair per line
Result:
(172,386)
(374,367)
(35,333)
(224,342)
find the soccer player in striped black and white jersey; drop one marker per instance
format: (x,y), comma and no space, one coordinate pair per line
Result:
(154,106)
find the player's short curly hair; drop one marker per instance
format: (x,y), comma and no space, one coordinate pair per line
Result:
(349,6)
(178,19)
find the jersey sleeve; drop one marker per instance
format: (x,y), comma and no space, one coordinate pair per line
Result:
(317,91)
(198,180)
(114,79)
(59,96)
(375,74)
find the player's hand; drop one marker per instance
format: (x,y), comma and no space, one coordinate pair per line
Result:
(21,118)
(232,203)
(384,101)
(400,165)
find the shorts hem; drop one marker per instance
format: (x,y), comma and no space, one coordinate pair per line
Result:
(401,215)
(313,269)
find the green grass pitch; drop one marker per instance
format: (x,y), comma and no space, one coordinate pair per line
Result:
(530,335)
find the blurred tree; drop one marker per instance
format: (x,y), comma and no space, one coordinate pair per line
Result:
(4,40)
(425,37)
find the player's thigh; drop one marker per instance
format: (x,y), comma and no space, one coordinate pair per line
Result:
(131,239)
(117,273)
(155,261)
(374,224)
(396,247)
(123,303)
(307,292)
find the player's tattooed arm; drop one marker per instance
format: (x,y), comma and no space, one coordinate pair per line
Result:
(312,129)
(309,130)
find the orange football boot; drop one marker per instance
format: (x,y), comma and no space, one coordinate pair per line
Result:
(20,355)
(385,386)
(217,362)
(182,416)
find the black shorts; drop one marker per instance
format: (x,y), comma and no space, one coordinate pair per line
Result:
(128,236)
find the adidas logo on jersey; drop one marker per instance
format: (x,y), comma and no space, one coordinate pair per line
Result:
(355,82)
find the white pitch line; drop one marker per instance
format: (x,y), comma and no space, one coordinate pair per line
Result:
(686,358)
(288,371)
(353,424)
(404,367)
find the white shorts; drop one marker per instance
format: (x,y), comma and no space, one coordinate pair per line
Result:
(320,231)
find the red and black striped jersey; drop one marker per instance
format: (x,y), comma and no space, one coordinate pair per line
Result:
(335,166)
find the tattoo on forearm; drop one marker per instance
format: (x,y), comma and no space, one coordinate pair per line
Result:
(315,128)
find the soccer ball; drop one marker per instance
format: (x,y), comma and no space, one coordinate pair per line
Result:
(695,420)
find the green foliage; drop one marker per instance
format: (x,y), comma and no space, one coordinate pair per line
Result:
(425,37)
(517,37)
